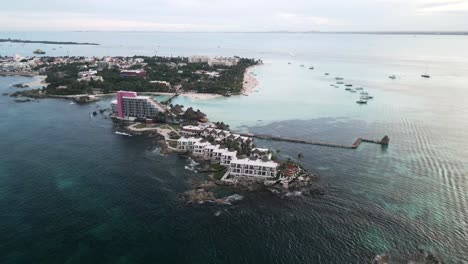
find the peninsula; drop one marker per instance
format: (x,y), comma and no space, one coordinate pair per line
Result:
(46,42)
(231,157)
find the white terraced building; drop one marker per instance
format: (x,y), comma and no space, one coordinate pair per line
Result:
(227,157)
(199,148)
(209,150)
(253,168)
(187,144)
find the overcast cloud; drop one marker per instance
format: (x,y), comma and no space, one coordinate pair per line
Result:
(235,15)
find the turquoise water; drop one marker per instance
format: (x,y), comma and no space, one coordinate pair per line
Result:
(72,190)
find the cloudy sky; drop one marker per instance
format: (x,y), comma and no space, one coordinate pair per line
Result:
(235,15)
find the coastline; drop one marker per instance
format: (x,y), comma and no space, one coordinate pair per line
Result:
(250,84)
(250,81)
(39,80)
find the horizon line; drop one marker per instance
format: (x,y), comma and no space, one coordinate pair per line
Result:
(376,32)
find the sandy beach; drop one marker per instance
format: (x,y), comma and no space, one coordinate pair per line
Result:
(250,82)
(201,96)
(39,81)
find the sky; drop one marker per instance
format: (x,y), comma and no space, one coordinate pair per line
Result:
(234,15)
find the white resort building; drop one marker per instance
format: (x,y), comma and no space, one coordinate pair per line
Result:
(259,165)
(250,167)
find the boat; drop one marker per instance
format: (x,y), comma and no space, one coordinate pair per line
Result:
(327,73)
(348,89)
(39,51)
(311,68)
(348,85)
(366,97)
(94,113)
(122,133)
(353,91)
(359,88)
(339,82)
(302,65)
(338,78)
(364,93)
(425,75)
(361,102)
(289,63)
(393,77)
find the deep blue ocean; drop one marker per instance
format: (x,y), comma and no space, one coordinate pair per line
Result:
(72,191)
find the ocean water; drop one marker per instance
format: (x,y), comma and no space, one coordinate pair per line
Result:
(73,191)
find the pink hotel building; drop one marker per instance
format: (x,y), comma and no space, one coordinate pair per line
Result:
(129,104)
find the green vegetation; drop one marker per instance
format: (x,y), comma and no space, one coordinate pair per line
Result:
(62,78)
(140,126)
(66,75)
(220,171)
(172,143)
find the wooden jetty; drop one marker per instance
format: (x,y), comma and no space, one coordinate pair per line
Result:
(384,141)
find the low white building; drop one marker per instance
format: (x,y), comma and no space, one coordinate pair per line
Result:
(187,144)
(199,59)
(199,148)
(223,61)
(260,153)
(87,73)
(209,150)
(227,157)
(191,131)
(218,153)
(250,167)
(91,78)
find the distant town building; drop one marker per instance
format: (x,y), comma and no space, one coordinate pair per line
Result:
(223,61)
(133,73)
(199,59)
(167,84)
(103,65)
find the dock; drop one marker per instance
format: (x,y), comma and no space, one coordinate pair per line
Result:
(384,141)
(169,100)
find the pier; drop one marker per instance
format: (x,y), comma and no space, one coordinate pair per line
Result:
(168,101)
(384,141)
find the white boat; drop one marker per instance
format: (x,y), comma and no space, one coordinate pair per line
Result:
(122,133)
(359,88)
(393,77)
(364,93)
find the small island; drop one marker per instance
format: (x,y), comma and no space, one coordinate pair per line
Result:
(46,42)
